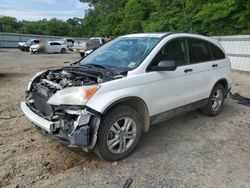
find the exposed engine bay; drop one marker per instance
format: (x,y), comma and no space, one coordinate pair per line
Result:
(44,86)
(57,79)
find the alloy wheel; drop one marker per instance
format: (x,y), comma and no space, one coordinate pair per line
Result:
(217,100)
(121,135)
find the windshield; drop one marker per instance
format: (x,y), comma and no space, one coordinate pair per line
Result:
(29,41)
(123,52)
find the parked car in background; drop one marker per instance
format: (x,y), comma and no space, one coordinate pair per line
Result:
(92,44)
(49,47)
(25,46)
(108,99)
(78,46)
(68,41)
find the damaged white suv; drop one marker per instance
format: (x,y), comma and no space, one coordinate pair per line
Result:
(108,99)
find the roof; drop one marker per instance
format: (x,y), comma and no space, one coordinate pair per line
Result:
(59,41)
(155,35)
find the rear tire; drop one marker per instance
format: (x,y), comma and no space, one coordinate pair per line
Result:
(215,101)
(119,133)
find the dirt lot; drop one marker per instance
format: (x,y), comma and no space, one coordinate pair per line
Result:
(189,151)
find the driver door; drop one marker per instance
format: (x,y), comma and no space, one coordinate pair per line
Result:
(172,89)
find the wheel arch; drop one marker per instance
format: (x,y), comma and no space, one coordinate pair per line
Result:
(224,83)
(138,104)
(63,49)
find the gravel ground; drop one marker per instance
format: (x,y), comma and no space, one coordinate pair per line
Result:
(189,151)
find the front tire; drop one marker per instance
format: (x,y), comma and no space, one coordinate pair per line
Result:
(63,50)
(119,133)
(215,101)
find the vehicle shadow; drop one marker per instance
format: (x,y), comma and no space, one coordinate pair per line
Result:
(164,138)
(182,132)
(12,75)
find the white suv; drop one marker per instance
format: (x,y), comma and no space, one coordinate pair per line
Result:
(108,99)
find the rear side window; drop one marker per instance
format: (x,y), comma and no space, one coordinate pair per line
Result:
(199,51)
(217,52)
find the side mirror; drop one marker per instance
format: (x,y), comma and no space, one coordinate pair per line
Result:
(165,65)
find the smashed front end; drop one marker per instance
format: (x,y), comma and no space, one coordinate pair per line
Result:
(55,103)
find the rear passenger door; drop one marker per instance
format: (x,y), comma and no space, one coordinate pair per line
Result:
(203,66)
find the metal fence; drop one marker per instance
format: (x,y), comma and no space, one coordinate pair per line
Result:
(10,40)
(237,48)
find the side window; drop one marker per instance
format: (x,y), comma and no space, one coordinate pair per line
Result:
(57,43)
(199,51)
(217,52)
(174,50)
(70,40)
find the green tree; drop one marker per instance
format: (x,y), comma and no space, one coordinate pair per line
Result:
(8,24)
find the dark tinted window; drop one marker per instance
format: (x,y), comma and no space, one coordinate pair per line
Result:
(199,51)
(36,41)
(55,44)
(175,50)
(70,40)
(95,42)
(217,52)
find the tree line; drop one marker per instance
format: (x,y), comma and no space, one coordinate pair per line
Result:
(111,18)
(55,27)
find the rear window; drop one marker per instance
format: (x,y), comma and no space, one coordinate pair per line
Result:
(70,40)
(95,42)
(217,52)
(199,51)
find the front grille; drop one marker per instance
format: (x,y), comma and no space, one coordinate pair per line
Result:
(41,96)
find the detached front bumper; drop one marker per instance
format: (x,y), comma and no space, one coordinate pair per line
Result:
(37,120)
(75,133)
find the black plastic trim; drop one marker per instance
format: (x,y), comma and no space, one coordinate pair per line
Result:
(177,111)
(122,100)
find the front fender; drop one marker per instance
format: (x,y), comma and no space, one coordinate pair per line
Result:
(101,101)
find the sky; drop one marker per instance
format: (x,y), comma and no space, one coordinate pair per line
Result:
(40,9)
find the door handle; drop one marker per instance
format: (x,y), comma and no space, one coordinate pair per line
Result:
(188,70)
(215,65)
